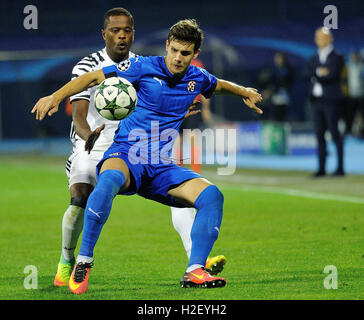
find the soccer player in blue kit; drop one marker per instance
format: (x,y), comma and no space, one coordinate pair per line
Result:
(138,160)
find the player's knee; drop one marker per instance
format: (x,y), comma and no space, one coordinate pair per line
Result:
(210,209)
(219,196)
(211,196)
(110,181)
(79,202)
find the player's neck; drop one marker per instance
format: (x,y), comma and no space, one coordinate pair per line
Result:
(116,58)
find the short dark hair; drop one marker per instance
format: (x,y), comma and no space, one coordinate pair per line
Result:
(117,12)
(187,30)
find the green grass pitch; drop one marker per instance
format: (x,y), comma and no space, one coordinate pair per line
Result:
(279,231)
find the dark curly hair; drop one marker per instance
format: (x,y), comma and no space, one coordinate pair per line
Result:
(117,12)
(187,30)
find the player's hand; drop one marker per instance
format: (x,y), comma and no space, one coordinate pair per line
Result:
(251,98)
(90,142)
(45,105)
(192,109)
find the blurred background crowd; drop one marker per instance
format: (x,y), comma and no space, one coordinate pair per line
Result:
(262,44)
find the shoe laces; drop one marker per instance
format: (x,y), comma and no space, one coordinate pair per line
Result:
(81,271)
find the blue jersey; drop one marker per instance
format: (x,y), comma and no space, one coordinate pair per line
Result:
(163,101)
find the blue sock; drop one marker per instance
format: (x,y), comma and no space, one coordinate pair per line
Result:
(98,208)
(206,226)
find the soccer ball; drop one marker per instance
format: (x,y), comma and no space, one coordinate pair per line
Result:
(115,98)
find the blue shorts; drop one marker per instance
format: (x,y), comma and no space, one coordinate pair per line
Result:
(151,181)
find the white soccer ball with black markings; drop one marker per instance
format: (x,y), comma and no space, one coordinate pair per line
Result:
(115,98)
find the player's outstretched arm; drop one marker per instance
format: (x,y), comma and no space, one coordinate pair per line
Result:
(250,96)
(50,103)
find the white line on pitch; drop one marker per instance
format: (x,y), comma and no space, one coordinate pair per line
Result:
(303,194)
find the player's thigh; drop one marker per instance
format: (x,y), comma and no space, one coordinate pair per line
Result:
(188,191)
(81,172)
(120,165)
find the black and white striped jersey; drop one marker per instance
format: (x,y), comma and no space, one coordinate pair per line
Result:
(94,61)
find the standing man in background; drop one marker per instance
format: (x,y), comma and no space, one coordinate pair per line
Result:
(282,81)
(324,70)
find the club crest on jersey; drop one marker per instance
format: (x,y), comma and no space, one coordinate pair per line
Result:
(191,86)
(124,65)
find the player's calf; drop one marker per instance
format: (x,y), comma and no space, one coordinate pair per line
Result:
(98,208)
(206,226)
(72,224)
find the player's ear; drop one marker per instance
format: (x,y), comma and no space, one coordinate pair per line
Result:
(196,54)
(167,44)
(103,33)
